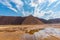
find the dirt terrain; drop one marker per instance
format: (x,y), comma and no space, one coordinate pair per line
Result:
(17,32)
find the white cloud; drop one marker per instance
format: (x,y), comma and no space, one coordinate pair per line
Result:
(18,3)
(35,3)
(51,1)
(26,13)
(41,1)
(56,15)
(32,4)
(13,9)
(6,2)
(45,14)
(37,14)
(37,8)
(41,14)
(57,3)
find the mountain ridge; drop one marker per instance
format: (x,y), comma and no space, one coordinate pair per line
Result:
(13,20)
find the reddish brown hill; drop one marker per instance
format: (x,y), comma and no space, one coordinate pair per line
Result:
(30,20)
(10,20)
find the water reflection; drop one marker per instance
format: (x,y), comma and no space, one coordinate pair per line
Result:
(45,34)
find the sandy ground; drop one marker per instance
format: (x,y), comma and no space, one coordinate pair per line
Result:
(16,32)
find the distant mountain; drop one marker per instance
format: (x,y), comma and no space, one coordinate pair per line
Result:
(31,20)
(54,21)
(12,20)
(43,20)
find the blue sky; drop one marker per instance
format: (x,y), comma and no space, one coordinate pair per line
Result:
(46,9)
